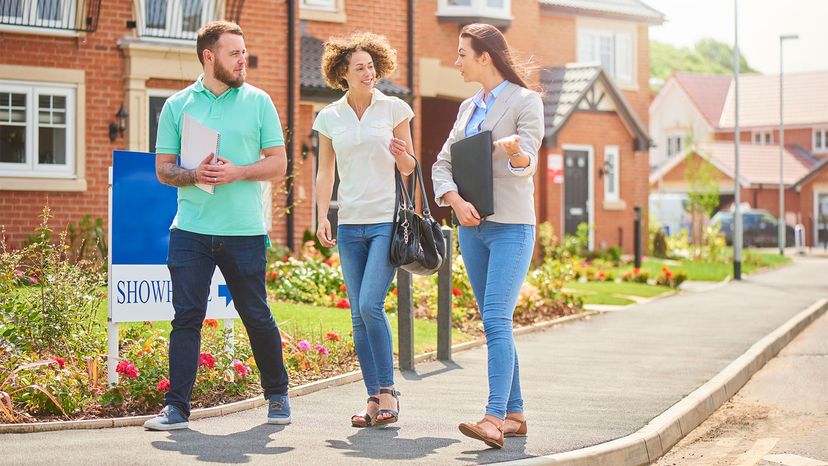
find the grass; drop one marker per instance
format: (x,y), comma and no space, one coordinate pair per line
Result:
(714,271)
(612,293)
(304,320)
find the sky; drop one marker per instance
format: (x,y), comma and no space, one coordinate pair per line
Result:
(761,22)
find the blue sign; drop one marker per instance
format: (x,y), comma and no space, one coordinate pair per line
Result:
(141,212)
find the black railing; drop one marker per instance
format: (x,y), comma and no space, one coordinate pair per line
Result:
(65,15)
(181,19)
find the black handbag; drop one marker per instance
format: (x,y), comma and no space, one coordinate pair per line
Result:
(417,242)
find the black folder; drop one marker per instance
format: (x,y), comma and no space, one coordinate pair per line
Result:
(471,168)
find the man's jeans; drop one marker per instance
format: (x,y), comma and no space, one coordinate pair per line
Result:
(363,252)
(497,256)
(192,259)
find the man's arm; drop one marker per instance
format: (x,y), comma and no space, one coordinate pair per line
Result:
(169,172)
(273,165)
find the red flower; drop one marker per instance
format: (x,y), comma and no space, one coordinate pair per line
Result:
(343,288)
(602,276)
(60,361)
(343,304)
(636,271)
(395,291)
(127,369)
(286,259)
(332,336)
(241,369)
(328,262)
(284,344)
(211,323)
(163,385)
(456,292)
(206,360)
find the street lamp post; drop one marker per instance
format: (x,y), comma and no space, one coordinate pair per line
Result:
(737,212)
(782,40)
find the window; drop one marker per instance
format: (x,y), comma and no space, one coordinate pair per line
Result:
(613,50)
(39,13)
(762,137)
(156,103)
(37,130)
(820,140)
(498,9)
(176,19)
(612,172)
(675,144)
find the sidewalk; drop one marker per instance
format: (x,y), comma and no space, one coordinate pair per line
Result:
(584,383)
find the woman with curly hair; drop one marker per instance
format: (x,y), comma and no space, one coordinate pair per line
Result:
(496,249)
(365,136)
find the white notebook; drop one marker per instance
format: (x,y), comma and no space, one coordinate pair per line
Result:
(197,142)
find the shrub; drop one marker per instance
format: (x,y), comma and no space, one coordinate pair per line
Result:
(636,275)
(670,278)
(659,243)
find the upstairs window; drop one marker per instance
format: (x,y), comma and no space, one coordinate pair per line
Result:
(820,139)
(497,12)
(613,50)
(762,137)
(175,19)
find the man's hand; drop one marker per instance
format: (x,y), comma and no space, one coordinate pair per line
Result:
(221,172)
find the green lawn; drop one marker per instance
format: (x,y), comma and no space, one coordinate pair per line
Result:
(613,293)
(303,320)
(713,271)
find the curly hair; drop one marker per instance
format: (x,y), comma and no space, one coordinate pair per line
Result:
(338,51)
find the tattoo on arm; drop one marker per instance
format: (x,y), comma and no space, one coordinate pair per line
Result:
(173,175)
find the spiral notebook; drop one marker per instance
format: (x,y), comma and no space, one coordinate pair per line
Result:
(197,142)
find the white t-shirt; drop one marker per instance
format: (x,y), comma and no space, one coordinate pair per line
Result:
(364,162)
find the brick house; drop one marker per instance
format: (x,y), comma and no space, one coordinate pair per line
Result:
(695,114)
(136,56)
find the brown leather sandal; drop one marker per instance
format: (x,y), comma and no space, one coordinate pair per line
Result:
(473,430)
(364,420)
(393,414)
(521,431)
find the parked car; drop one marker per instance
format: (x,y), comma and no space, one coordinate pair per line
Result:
(760,229)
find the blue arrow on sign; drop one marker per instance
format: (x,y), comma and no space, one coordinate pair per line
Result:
(224,292)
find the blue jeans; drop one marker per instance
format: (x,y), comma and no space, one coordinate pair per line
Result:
(363,252)
(497,256)
(192,259)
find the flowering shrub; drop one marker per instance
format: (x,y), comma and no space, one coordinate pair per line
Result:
(636,275)
(310,281)
(670,278)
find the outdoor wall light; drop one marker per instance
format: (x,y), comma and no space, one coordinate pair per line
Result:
(118,128)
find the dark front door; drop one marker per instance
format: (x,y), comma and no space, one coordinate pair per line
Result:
(576,190)
(156,103)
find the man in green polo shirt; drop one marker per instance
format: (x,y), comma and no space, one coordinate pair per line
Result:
(226,228)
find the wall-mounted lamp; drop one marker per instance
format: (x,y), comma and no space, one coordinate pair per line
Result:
(118,128)
(605,170)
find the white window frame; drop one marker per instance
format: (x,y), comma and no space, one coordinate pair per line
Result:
(823,148)
(589,50)
(764,138)
(32,167)
(670,148)
(29,15)
(320,5)
(475,8)
(174,23)
(612,153)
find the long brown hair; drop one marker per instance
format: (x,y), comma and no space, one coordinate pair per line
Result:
(487,38)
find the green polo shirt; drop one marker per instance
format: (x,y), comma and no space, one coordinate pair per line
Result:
(247,122)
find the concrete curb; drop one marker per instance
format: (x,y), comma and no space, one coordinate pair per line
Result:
(665,430)
(252,403)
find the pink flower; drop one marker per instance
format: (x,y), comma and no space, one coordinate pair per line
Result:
(322,350)
(60,361)
(206,360)
(241,369)
(127,369)
(304,345)
(163,385)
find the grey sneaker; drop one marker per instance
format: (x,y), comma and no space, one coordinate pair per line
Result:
(278,410)
(170,418)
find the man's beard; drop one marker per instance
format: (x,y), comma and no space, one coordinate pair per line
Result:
(226,76)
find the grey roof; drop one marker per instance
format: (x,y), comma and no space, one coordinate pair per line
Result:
(310,74)
(565,87)
(630,9)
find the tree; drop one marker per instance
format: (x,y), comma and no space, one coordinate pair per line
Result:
(703,196)
(707,56)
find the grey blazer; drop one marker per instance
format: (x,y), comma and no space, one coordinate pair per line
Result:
(516,110)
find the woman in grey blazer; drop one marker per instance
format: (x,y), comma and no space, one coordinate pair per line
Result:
(497,249)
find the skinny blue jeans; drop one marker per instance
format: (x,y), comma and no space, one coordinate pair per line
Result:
(363,252)
(497,256)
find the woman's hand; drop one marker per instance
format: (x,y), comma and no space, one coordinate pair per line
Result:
(398,147)
(466,214)
(511,144)
(323,233)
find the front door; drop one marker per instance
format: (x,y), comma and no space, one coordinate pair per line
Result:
(576,190)
(822,220)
